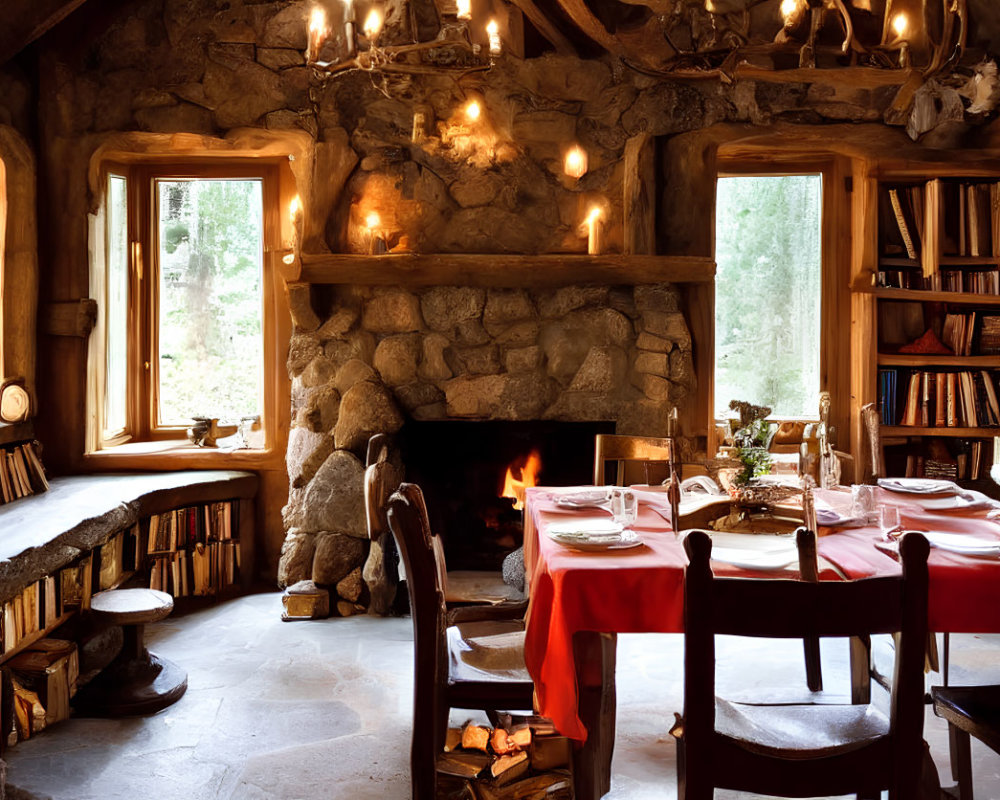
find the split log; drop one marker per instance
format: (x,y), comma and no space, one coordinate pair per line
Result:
(509,768)
(475,737)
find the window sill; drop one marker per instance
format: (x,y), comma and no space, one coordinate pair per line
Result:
(178,454)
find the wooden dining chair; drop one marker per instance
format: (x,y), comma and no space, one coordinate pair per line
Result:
(463,587)
(475,665)
(802,750)
(656,455)
(969,711)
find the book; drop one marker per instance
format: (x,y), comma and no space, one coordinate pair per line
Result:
(905,230)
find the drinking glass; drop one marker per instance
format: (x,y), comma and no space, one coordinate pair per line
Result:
(888,518)
(624,506)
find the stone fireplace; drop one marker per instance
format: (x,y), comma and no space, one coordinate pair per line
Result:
(365,360)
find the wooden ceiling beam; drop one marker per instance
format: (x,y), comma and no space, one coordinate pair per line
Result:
(25,22)
(645,45)
(546,27)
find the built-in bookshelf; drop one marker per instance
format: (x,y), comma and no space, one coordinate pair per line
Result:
(936,323)
(21,471)
(193,551)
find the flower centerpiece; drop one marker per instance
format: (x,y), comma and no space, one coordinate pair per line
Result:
(751,438)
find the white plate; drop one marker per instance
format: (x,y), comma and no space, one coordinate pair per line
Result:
(919,486)
(964,545)
(591,498)
(755,560)
(958,502)
(593,534)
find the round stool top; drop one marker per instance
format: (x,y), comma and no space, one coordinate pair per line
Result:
(132,606)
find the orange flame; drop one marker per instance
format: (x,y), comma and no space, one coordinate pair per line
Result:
(514,487)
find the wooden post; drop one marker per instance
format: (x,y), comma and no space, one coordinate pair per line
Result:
(639,202)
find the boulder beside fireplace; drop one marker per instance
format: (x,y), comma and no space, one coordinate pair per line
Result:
(364,360)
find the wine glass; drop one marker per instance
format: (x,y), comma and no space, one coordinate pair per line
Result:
(624,507)
(889,522)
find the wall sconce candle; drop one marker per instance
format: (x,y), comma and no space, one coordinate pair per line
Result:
(373,24)
(900,24)
(788,9)
(349,27)
(464,9)
(419,126)
(493,32)
(575,163)
(318,31)
(594,232)
(376,242)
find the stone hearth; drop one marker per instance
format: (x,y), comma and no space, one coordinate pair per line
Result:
(363,360)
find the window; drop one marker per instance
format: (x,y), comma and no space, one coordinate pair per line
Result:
(182,323)
(768,292)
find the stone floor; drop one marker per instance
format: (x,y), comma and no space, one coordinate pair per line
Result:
(284,711)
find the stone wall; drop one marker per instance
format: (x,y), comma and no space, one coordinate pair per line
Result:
(219,68)
(385,355)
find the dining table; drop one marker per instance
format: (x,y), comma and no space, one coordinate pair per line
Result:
(582,594)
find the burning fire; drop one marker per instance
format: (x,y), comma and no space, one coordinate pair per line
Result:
(528,476)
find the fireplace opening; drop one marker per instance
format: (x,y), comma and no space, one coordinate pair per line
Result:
(463,466)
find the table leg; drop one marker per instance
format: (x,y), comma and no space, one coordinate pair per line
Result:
(595,655)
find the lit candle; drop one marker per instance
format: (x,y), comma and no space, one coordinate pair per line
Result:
(594,231)
(900,23)
(575,163)
(376,244)
(373,24)
(463,9)
(493,32)
(349,26)
(788,9)
(317,33)
(294,209)
(419,124)
(473,110)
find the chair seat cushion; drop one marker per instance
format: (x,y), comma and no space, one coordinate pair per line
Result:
(780,731)
(487,651)
(470,586)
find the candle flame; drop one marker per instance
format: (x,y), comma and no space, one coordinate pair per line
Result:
(900,23)
(473,110)
(492,28)
(788,9)
(373,220)
(464,9)
(594,214)
(575,164)
(317,21)
(373,23)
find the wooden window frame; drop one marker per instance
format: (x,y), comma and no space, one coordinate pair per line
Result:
(834,265)
(142,356)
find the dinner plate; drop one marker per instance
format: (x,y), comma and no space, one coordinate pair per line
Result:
(593,534)
(591,498)
(919,486)
(964,545)
(754,551)
(957,502)
(755,560)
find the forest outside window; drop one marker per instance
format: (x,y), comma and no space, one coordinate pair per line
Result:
(182,301)
(768,293)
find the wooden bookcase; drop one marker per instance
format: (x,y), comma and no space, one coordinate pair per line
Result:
(928,260)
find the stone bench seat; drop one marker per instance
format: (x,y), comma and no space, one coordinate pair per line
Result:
(43,533)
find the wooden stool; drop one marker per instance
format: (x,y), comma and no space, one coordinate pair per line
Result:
(137,681)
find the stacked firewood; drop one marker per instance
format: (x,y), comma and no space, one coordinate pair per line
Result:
(515,761)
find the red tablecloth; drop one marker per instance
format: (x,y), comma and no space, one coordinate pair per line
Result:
(964,592)
(641,590)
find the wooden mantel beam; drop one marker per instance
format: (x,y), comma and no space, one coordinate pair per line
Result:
(25,22)
(412,269)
